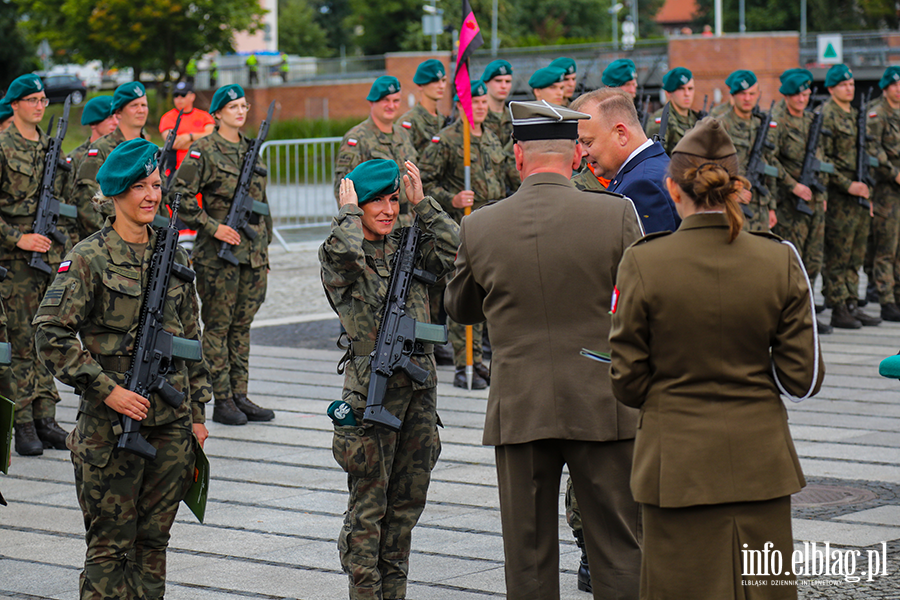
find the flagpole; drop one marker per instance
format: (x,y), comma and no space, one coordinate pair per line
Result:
(467,170)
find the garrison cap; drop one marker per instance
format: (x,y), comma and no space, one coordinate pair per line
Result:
(544,78)
(374,178)
(541,120)
(496,68)
(477,88)
(891,75)
(125,93)
(429,71)
(96,110)
(676,78)
(6,110)
(740,80)
(619,72)
(837,74)
(383,86)
(707,139)
(224,95)
(794,81)
(565,63)
(127,163)
(23,85)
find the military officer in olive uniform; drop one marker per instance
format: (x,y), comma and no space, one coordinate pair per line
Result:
(570,81)
(23,149)
(378,137)
(129,503)
(230,294)
(679,87)
(497,77)
(102,121)
(424,120)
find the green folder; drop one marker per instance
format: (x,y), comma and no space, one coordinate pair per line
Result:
(7,410)
(598,356)
(196,496)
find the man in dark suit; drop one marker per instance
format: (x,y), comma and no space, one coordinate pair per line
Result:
(618,149)
(548,406)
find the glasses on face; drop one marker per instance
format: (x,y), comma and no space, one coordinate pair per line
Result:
(32,102)
(238,107)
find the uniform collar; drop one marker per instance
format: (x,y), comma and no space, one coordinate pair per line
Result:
(547,178)
(120,253)
(704,220)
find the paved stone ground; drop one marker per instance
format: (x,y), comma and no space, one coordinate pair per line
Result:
(277,497)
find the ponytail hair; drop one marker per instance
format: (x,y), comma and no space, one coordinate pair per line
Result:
(711,184)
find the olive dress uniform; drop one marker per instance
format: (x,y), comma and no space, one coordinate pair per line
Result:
(97,296)
(714,463)
(743,134)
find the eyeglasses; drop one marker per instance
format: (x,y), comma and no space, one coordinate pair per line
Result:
(238,107)
(34,101)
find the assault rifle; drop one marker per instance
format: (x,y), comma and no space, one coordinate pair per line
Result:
(169,157)
(863,160)
(243,207)
(49,207)
(704,113)
(154,347)
(812,166)
(757,168)
(644,111)
(398,333)
(663,124)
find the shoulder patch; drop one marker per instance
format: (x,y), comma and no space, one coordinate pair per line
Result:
(406,124)
(93,152)
(767,234)
(652,236)
(351,142)
(773,124)
(658,120)
(64,266)
(436,139)
(195,154)
(873,114)
(54,296)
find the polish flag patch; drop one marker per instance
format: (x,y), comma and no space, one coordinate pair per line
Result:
(352,142)
(436,139)
(658,120)
(615,301)
(773,124)
(407,124)
(64,266)
(195,154)
(69,160)
(873,114)
(93,152)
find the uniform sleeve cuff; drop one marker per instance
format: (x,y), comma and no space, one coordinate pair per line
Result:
(103,385)
(198,412)
(428,208)
(211,226)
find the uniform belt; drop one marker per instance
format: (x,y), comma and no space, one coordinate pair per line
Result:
(26,220)
(116,364)
(364,348)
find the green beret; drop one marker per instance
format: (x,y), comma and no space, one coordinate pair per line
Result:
(794,81)
(383,86)
(891,75)
(96,110)
(374,178)
(619,72)
(496,68)
(564,63)
(740,80)
(23,85)
(6,110)
(837,74)
(224,95)
(127,163)
(541,120)
(544,78)
(707,139)
(429,71)
(477,88)
(125,93)
(676,78)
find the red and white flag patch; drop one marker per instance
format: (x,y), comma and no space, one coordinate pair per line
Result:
(873,114)
(615,301)
(406,124)
(658,120)
(195,154)
(64,266)
(436,139)
(773,124)
(351,142)
(93,152)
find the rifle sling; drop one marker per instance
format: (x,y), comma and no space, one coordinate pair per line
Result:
(365,348)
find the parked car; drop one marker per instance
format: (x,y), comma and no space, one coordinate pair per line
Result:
(57,87)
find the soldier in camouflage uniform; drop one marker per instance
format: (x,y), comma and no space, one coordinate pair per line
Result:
(102,121)
(846,220)
(231,294)
(6,116)
(388,472)
(679,87)
(23,148)
(741,123)
(424,120)
(129,503)
(378,137)
(443,176)
(883,127)
(548,84)
(497,77)
(570,81)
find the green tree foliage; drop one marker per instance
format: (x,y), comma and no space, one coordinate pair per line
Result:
(334,17)
(822,15)
(17,55)
(299,32)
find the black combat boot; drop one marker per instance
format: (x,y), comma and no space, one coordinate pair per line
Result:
(459,380)
(823,328)
(227,413)
(50,433)
(443,354)
(253,411)
(842,319)
(867,320)
(27,441)
(584,571)
(483,372)
(890,312)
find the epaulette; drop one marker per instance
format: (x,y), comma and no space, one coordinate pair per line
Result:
(768,234)
(652,236)
(608,193)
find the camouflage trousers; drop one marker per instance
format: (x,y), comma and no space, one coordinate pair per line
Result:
(846,230)
(456,334)
(22,292)
(388,474)
(129,505)
(230,297)
(760,219)
(805,232)
(883,242)
(573,513)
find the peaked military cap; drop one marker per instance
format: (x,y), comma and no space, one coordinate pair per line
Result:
(891,75)
(740,80)
(495,69)
(6,110)
(224,95)
(837,74)
(794,81)
(125,93)
(676,78)
(429,71)
(374,178)
(544,78)
(619,72)
(23,85)
(96,110)
(707,139)
(541,120)
(565,63)
(127,163)
(476,87)
(383,86)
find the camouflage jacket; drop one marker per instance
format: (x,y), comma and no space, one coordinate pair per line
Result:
(421,126)
(365,141)
(743,134)
(585,180)
(789,139)
(87,215)
(883,129)
(97,296)
(675,129)
(493,172)
(212,168)
(840,146)
(356,274)
(21,171)
(500,124)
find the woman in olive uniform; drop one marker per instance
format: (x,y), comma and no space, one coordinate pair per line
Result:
(129,503)
(231,294)
(714,463)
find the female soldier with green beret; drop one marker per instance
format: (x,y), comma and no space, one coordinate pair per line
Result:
(129,503)
(231,294)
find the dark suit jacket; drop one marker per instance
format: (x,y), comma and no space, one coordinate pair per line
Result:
(540,267)
(644,181)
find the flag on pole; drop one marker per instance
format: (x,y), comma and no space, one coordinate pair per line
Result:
(469,40)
